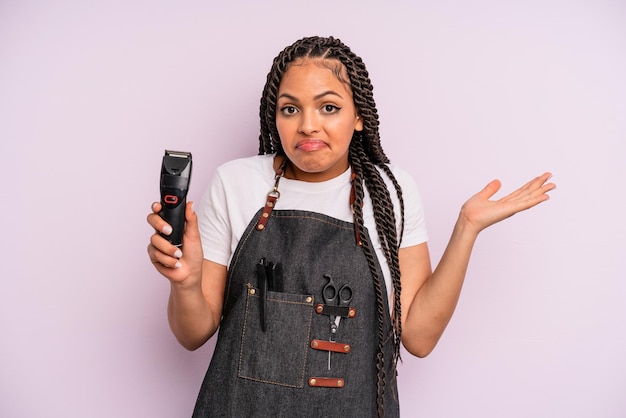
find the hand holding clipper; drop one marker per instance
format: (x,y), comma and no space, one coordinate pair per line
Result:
(175,177)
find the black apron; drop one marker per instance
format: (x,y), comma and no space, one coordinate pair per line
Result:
(271,357)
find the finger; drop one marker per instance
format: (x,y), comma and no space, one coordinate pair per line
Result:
(191,218)
(546,176)
(544,186)
(531,189)
(534,197)
(159,224)
(538,181)
(156,207)
(165,247)
(192,243)
(160,259)
(542,189)
(490,189)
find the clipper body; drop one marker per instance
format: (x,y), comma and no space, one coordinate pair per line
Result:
(175,177)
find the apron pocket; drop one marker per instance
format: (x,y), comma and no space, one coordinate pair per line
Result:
(278,354)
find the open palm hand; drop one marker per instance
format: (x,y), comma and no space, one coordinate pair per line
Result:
(479,212)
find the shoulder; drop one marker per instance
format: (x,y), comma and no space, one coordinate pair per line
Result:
(405,180)
(243,180)
(415,224)
(241,167)
(245,174)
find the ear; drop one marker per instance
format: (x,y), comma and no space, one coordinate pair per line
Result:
(358,125)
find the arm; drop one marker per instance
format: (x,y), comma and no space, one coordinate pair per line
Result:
(196,285)
(430,297)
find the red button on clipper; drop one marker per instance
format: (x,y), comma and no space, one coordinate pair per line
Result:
(170,199)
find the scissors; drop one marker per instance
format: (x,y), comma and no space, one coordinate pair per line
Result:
(332,296)
(337,297)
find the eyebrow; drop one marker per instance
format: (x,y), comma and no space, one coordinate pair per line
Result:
(317,97)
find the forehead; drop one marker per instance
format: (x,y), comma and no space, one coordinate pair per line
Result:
(315,72)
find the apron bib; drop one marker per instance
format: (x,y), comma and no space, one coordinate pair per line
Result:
(271,357)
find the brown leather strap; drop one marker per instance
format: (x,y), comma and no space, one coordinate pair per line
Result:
(343,311)
(326,382)
(330,346)
(272,197)
(267,210)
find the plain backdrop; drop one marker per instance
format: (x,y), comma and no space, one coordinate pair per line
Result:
(92,92)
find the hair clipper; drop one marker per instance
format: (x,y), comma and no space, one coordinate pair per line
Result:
(175,176)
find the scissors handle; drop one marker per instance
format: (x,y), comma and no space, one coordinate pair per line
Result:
(344,295)
(332,296)
(329,291)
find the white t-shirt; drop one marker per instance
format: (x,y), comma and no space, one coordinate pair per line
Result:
(240,187)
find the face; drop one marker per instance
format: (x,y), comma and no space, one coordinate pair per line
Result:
(315,118)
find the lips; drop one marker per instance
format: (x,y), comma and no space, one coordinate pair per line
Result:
(310,145)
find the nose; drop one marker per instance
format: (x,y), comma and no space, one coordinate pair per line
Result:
(309,122)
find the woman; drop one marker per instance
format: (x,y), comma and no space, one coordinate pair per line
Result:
(329,272)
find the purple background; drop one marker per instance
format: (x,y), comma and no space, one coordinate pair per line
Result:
(91,93)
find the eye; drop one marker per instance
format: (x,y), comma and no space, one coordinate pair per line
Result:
(288,110)
(329,108)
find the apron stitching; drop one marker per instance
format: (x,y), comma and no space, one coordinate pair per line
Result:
(286,216)
(243,335)
(305,348)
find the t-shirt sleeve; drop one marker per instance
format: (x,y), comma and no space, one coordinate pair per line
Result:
(214,222)
(415,231)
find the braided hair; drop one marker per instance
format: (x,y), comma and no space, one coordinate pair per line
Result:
(366,157)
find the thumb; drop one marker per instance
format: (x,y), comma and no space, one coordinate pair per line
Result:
(490,189)
(191,228)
